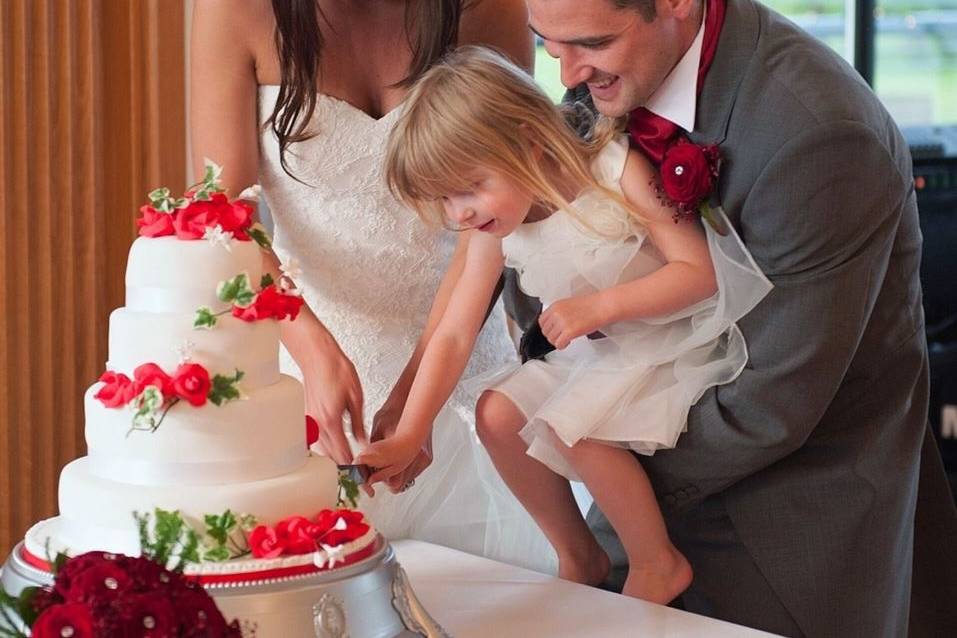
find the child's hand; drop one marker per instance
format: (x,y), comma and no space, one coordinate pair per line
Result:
(389,457)
(571,318)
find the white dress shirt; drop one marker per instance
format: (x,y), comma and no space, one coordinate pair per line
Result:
(676,99)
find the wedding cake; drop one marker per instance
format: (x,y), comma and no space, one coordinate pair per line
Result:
(198,458)
(196,442)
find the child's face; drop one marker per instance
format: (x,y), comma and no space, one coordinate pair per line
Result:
(493,204)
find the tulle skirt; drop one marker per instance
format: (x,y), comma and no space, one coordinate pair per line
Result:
(459,501)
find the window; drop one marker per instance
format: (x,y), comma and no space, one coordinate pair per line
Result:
(548,72)
(915,65)
(825,20)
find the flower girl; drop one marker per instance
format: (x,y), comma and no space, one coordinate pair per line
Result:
(640,308)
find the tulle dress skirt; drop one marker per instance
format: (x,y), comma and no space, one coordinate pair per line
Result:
(634,386)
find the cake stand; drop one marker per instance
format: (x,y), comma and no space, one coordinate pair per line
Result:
(371,598)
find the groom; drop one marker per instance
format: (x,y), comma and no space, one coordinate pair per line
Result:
(793,492)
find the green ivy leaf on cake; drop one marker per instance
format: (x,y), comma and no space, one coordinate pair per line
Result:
(348,491)
(205,318)
(167,538)
(148,404)
(226,388)
(203,212)
(152,392)
(162,201)
(227,536)
(271,302)
(208,186)
(236,291)
(258,233)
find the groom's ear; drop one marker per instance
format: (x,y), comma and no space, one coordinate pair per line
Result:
(678,9)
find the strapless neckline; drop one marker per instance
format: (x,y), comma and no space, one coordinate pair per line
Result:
(348,106)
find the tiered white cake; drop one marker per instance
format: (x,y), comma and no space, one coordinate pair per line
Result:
(247,455)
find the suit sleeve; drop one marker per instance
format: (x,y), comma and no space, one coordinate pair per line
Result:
(821,221)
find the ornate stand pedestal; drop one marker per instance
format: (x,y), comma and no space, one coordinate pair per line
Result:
(368,599)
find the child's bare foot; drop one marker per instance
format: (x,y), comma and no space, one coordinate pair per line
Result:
(588,567)
(660,581)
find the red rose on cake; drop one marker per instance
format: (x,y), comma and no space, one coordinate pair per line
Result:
(117,391)
(264,542)
(295,534)
(154,223)
(312,431)
(233,217)
(270,303)
(203,212)
(150,374)
(341,526)
(191,383)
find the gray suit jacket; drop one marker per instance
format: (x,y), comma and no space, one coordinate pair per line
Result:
(794,490)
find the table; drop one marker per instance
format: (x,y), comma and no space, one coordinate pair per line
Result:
(474,597)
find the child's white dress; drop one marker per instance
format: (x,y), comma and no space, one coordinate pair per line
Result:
(634,388)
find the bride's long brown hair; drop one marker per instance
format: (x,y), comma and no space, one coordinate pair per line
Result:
(431,27)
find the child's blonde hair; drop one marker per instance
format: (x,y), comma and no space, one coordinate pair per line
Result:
(476,108)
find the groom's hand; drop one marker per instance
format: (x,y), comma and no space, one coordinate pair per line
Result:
(570,318)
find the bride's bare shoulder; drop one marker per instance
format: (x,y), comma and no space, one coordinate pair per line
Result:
(251,15)
(243,30)
(247,23)
(502,24)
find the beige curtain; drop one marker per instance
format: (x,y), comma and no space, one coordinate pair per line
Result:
(92,94)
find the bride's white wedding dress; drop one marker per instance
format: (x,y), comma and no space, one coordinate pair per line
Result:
(369,270)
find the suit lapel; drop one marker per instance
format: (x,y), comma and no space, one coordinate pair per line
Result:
(736,47)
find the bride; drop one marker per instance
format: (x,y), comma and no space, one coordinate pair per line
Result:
(300,96)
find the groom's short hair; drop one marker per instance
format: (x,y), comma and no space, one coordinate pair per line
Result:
(645,7)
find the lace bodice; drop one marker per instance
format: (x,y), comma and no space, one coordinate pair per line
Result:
(369,266)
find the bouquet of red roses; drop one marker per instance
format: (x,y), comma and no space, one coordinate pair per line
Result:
(102,595)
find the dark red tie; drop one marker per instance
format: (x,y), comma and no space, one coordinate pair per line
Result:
(653,133)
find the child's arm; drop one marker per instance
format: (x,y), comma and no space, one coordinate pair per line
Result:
(444,359)
(687,277)
(386,418)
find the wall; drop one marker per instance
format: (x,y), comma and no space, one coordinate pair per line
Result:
(93,117)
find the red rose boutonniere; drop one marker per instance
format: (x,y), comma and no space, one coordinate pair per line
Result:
(688,175)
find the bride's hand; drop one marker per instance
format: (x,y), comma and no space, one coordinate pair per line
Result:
(333,389)
(383,426)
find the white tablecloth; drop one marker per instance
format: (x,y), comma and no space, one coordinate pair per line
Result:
(476,597)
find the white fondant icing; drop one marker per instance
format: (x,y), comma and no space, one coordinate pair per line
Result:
(165,274)
(239,441)
(145,337)
(96,513)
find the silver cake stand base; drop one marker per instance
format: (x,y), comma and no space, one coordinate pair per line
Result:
(368,599)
